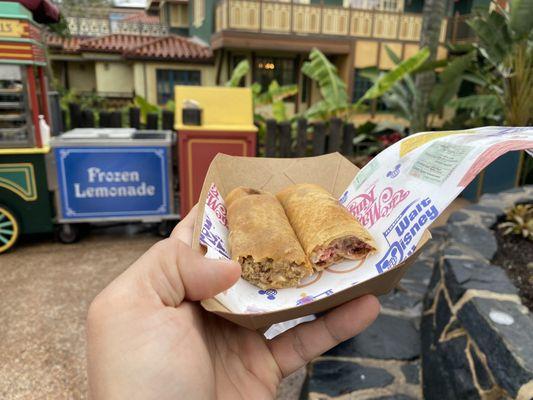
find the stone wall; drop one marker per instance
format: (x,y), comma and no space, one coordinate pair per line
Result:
(382,362)
(477,337)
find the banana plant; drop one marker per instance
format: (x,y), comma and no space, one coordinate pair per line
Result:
(335,101)
(238,73)
(275,96)
(402,97)
(504,74)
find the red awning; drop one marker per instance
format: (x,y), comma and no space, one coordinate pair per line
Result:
(44,11)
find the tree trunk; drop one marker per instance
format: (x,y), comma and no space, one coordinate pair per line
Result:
(434,12)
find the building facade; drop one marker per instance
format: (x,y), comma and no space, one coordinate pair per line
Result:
(140,52)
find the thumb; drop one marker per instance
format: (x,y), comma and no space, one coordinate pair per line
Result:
(175,271)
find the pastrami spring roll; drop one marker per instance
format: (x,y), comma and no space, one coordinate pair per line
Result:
(262,240)
(327,232)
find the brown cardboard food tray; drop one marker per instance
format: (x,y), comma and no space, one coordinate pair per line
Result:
(334,173)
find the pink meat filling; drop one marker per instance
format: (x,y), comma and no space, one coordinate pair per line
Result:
(343,248)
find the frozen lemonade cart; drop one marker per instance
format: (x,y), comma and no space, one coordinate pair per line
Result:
(100,175)
(210,120)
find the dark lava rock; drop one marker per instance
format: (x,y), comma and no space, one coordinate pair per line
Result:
(474,237)
(445,371)
(335,378)
(399,300)
(482,374)
(393,397)
(458,216)
(462,275)
(387,338)
(420,271)
(411,373)
(443,315)
(507,347)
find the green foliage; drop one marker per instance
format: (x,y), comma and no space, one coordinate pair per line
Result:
(387,80)
(239,72)
(519,221)
(275,96)
(145,107)
(334,100)
(488,105)
(521,19)
(504,68)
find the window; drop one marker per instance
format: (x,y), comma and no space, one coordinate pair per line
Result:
(360,85)
(267,69)
(168,78)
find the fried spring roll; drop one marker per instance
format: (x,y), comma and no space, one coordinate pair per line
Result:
(327,232)
(262,240)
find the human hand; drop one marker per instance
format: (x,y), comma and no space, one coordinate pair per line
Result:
(148,338)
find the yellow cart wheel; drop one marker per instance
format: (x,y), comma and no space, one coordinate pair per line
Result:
(9,229)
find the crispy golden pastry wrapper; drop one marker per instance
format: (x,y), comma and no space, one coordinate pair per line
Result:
(262,240)
(327,232)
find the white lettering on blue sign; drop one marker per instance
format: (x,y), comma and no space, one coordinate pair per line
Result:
(96,175)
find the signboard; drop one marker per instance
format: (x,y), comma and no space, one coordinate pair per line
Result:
(13,28)
(105,183)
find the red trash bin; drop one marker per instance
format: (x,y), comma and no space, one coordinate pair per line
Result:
(216,120)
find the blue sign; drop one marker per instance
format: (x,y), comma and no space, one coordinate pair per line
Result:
(96,182)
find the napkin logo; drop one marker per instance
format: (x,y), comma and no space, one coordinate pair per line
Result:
(209,238)
(395,172)
(369,207)
(214,202)
(402,234)
(269,293)
(305,299)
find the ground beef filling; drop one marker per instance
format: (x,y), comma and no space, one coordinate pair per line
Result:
(350,248)
(268,274)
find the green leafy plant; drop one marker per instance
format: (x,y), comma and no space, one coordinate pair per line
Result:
(145,106)
(519,221)
(402,98)
(238,73)
(335,101)
(503,71)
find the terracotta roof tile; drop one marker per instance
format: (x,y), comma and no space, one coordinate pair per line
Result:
(116,43)
(134,46)
(171,48)
(67,45)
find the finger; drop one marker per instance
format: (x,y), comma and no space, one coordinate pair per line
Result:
(174,271)
(184,230)
(296,347)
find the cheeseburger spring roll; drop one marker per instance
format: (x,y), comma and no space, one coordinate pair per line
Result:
(327,232)
(262,240)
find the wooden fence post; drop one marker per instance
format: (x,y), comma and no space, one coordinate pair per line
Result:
(116,119)
(135,117)
(347,140)
(301,138)
(334,135)
(271,138)
(152,121)
(319,138)
(75,115)
(167,120)
(285,139)
(87,119)
(105,119)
